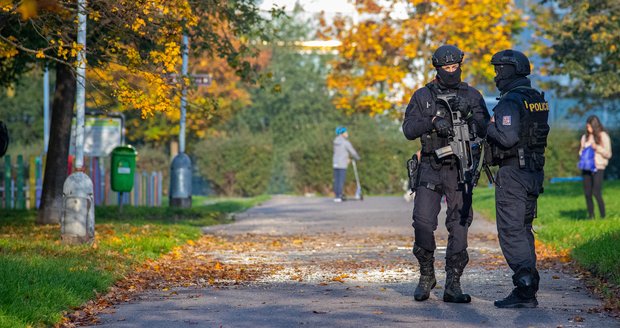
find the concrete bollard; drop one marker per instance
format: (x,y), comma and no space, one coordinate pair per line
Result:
(181,181)
(78,215)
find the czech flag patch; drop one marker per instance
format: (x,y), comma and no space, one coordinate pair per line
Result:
(506,120)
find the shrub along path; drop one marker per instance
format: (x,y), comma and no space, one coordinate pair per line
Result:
(307,261)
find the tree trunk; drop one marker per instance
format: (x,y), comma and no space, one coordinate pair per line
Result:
(50,210)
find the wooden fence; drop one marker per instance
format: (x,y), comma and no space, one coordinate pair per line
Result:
(22,184)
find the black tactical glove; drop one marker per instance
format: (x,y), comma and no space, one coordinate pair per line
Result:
(462,105)
(443,127)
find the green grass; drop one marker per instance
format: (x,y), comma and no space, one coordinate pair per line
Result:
(40,277)
(562,222)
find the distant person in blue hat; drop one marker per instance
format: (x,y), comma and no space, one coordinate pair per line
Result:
(342,150)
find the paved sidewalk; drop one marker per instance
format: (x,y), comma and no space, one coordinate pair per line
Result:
(350,265)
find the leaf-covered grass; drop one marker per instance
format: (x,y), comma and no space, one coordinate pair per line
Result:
(40,277)
(562,222)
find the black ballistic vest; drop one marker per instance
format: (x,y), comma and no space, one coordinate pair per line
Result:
(534,127)
(431,141)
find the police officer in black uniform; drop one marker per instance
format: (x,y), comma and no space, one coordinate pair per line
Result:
(517,134)
(430,120)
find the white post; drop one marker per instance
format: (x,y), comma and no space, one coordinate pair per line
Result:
(81,86)
(46,108)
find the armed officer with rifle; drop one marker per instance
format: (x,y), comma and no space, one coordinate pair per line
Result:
(449,117)
(517,134)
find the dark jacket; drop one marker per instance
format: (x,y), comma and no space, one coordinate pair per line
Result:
(505,130)
(510,114)
(520,127)
(421,110)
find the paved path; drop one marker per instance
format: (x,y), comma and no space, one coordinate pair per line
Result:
(350,265)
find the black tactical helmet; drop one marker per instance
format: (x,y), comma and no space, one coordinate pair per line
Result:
(514,58)
(447,55)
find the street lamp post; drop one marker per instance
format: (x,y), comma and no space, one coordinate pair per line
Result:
(181,168)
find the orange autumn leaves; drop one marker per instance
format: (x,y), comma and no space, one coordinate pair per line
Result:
(385,54)
(133,48)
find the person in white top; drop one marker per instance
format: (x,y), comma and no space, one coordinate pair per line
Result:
(597,138)
(342,150)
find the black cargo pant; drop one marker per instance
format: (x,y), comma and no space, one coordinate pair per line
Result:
(427,205)
(516,194)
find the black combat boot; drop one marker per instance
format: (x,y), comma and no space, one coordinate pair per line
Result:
(427,273)
(524,296)
(454,269)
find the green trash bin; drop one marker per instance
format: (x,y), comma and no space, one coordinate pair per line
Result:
(123,168)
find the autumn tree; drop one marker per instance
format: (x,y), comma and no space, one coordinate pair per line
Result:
(207,105)
(294,104)
(21,109)
(138,40)
(385,53)
(586,49)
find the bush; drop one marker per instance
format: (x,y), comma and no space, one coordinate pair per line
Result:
(238,165)
(562,153)
(312,169)
(381,145)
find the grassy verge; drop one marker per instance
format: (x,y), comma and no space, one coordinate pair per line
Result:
(562,223)
(40,277)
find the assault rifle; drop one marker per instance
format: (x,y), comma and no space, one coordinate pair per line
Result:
(466,146)
(460,145)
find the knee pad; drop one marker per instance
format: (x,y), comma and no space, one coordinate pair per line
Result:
(422,254)
(526,278)
(458,260)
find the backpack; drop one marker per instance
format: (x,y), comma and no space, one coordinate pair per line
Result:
(586,160)
(4,139)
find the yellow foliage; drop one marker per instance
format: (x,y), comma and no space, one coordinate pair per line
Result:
(385,57)
(28,9)
(7,50)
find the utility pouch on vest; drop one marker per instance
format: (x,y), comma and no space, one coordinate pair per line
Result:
(432,142)
(488,154)
(538,161)
(537,136)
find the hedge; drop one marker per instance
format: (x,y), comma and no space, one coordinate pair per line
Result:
(237,165)
(250,164)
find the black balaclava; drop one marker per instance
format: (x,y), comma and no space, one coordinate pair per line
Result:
(449,79)
(506,75)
